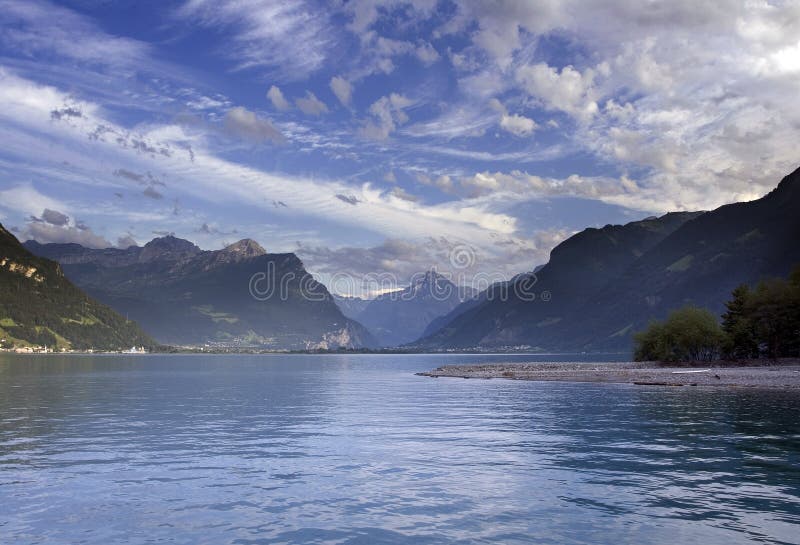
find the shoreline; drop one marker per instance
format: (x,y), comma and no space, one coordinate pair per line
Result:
(776,375)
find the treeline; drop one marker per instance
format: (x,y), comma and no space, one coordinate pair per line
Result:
(760,322)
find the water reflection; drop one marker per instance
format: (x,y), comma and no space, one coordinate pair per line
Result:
(356,449)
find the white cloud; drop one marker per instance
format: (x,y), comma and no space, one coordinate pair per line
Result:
(695,101)
(245,124)
(392,263)
(426,53)
(568,90)
(289,39)
(342,88)
(310,104)
(458,120)
(388,113)
(27,199)
(402,194)
(34,26)
(499,24)
(214,180)
(46,233)
(278,100)
(443,182)
(516,124)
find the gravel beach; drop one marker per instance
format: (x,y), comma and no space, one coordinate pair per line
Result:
(783,375)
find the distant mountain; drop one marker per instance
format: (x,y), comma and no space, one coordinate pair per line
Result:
(440,321)
(351,306)
(40,307)
(400,317)
(186,296)
(604,284)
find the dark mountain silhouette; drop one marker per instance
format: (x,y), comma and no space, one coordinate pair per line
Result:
(237,296)
(39,306)
(604,284)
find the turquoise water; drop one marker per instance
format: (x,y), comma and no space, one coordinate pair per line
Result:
(356,449)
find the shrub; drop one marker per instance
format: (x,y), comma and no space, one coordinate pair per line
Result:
(688,334)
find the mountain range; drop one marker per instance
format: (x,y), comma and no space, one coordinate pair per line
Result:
(39,306)
(602,285)
(598,288)
(239,296)
(402,316)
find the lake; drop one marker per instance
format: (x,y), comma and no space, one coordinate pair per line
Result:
(356,449)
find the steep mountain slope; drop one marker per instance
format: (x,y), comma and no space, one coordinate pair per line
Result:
(704,260)
(402,316)
(39,306)
(351,306)
(605,284)
(531,307)
(237,296)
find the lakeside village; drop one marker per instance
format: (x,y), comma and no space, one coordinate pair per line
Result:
(37,349)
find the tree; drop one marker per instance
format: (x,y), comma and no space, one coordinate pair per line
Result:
(688,334)
(652,344)
(740,341)
(774,316)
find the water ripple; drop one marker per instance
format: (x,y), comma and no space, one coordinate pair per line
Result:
(356,449)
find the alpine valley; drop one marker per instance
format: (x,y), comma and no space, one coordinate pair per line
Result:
(598,288)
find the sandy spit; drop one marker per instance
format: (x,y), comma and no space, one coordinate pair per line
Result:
(779,376)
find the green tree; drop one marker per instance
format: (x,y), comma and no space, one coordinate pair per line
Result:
(652,344)
(774,315)
(740,341)
(688,334)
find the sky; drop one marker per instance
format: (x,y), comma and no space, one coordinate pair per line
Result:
(388,137)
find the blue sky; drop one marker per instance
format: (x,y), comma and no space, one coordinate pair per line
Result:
(382,137)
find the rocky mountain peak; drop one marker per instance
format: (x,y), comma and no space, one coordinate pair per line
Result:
(430,283)
(429,277)
(168,246)
(245,248)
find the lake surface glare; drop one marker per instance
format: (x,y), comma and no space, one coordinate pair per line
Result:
(356,449)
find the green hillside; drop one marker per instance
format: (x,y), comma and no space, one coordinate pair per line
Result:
(40,307)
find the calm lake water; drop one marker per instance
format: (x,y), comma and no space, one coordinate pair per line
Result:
(356,449)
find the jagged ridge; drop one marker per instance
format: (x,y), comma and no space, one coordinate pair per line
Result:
(184,295)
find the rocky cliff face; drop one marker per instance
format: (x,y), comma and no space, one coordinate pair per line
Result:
(238,296)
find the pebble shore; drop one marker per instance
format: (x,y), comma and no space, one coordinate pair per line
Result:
(784,375)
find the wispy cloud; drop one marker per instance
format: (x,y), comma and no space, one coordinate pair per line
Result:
(287,39)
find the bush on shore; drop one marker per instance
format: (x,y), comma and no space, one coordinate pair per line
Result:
(760,322)
(688,334)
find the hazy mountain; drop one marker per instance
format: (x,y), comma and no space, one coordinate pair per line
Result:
(351,306)
(39,306)
(240,295)
(440,321)
(604,284)
(400,317)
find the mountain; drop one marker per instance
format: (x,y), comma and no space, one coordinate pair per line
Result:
(39,306)
(602,285)
(401,316)
(238,296)
(351,306)
(440,321)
